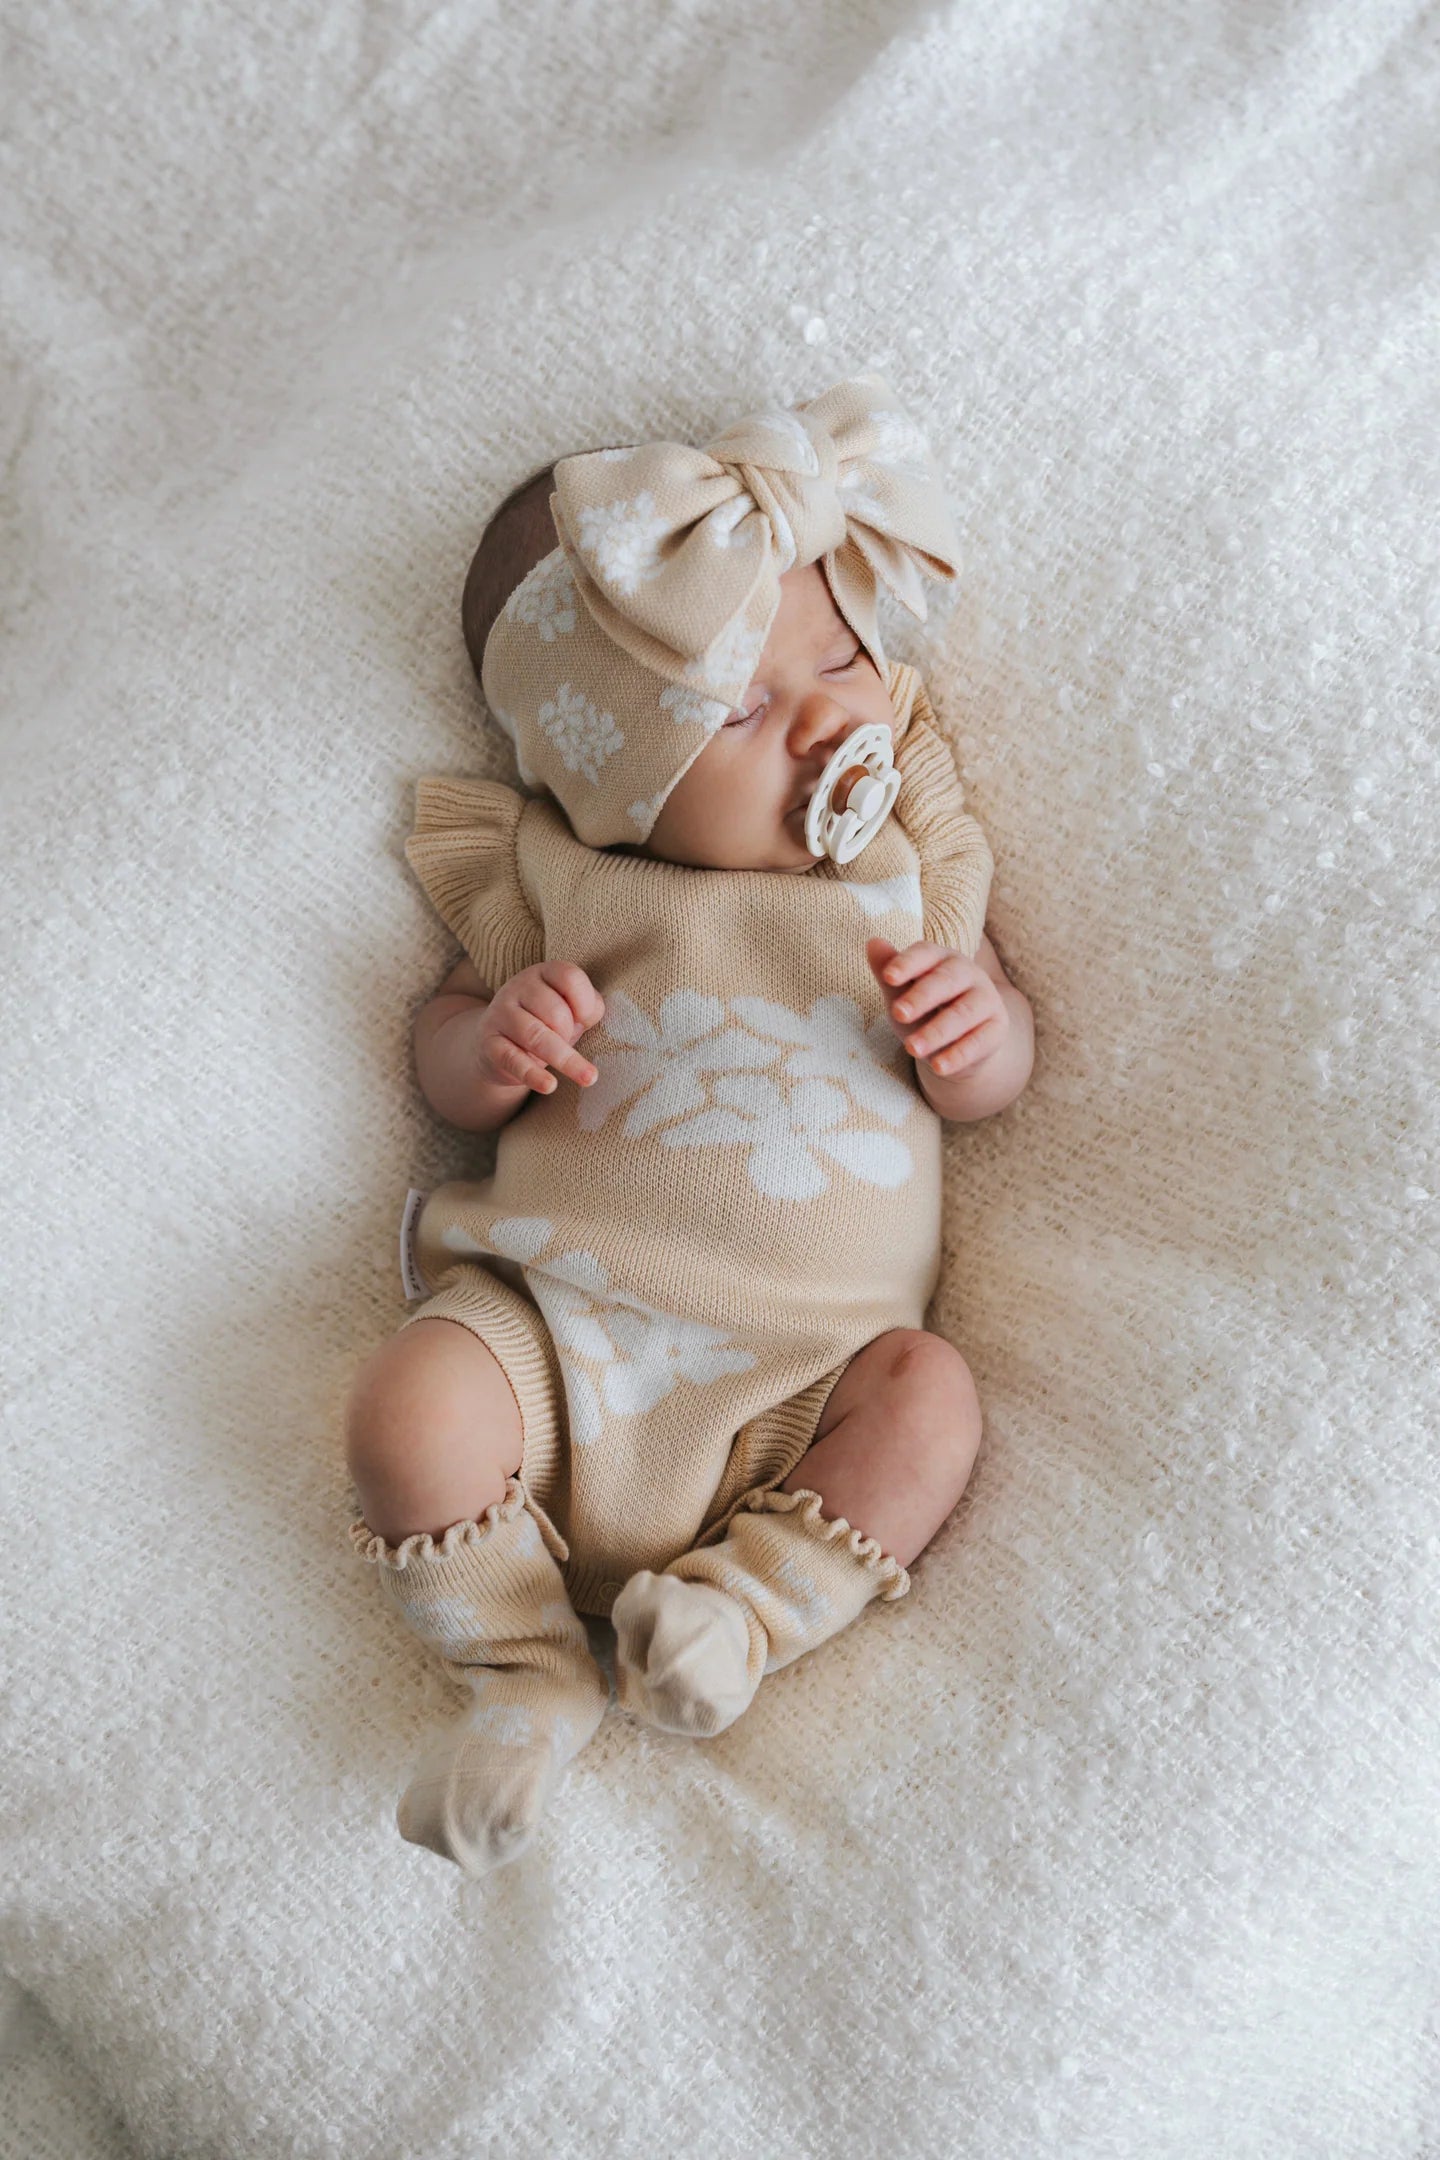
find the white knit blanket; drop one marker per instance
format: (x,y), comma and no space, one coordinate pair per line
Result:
(1116,1839)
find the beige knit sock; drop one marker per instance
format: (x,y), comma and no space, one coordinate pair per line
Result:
(692,1644)
(492,1601)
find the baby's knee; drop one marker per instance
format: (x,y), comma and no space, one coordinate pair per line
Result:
(931,1366)
(432,1393)
(942,1400)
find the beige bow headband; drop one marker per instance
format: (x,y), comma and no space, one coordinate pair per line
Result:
(614,662)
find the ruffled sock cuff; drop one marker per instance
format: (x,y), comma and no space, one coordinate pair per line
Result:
(420,1545)
(804,1506)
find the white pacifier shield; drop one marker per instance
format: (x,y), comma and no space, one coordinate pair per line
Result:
(841,834)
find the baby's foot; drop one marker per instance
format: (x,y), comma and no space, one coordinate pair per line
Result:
(682,1652)
(481,1789)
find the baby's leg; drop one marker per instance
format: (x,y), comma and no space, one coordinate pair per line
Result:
(896,1442)
(892,1454)
(433,1430)
(434,1437)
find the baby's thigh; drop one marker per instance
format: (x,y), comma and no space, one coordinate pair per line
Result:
(904,1413)
(433,1430)
(894,1449)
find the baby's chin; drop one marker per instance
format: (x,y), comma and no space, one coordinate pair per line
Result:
(790,853)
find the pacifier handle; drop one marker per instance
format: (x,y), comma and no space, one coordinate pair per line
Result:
(854,794)
(840,793)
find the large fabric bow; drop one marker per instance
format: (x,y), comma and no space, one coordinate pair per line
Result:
(677,552)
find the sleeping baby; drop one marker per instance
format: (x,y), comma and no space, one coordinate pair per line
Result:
(668,1363)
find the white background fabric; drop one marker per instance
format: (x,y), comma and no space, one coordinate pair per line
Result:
(1117,1837)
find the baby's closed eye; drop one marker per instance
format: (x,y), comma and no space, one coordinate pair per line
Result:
(746,713)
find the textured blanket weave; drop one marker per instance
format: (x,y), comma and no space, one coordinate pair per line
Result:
(1115,1838)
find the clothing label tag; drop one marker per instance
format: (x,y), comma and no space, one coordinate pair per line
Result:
(415,1283)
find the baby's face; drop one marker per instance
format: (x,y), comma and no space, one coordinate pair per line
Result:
(741,805)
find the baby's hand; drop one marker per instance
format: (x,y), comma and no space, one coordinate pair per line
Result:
(532,1021)
(964,1013)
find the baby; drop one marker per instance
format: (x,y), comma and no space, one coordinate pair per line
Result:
(669,1365)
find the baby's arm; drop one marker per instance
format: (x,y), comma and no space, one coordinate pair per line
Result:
(470,1039)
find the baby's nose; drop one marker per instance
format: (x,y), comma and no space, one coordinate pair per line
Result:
(820,720)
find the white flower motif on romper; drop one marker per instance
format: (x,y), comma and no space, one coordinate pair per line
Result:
(598,1324)
(620,542)
(887,896)
(832,1043)
(760,1114)
(667,1054)
(589,1319)
(584,735)
(521,1237)
(571,1330)
(546,597)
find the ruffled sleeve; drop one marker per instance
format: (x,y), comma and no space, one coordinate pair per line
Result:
(463,850)
(955,860)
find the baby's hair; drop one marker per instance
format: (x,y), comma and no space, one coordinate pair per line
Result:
(520,534)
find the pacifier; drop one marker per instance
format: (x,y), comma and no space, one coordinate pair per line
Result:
(854,794)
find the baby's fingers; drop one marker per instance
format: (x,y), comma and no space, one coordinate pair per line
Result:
(528,1046)
(944,981)
(895,966)
(540,994)
(579,993)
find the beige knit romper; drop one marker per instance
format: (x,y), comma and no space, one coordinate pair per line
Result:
(675,1265)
